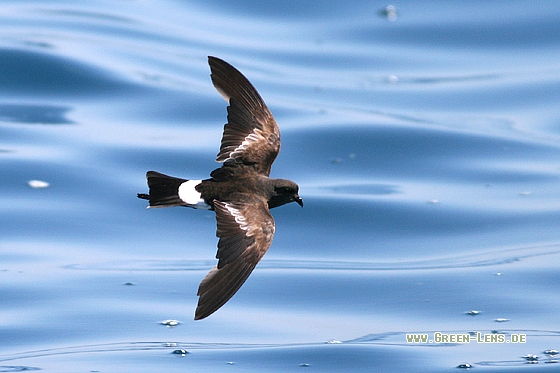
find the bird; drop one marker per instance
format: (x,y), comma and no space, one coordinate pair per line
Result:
(240,192)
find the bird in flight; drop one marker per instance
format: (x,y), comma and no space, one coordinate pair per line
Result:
(240,192)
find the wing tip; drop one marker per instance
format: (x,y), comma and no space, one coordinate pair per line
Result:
(208,308)
(199,315)
(215,64)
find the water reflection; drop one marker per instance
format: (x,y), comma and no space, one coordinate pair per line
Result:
(427,150)
(34,114)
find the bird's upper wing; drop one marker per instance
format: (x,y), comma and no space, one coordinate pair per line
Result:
(245,232)
(251,136)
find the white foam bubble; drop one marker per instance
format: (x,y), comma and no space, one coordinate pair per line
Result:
(38,184)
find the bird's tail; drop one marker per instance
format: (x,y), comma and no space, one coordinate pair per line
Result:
(164,190)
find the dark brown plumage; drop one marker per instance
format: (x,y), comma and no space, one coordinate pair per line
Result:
(251,136)
(240,192)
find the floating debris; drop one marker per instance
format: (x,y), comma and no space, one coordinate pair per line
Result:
(170,323)
(389,12)
(339,160)
(38,184)
(305,365)
(392,79)
(533,359)
(473,313)
(466,366)
(501,319)
(333,341)
(180,352)
(526,193)
(129,283)
(433,201)
(230,363)
(551,355)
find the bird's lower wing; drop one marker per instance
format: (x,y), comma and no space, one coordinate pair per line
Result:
(245,231)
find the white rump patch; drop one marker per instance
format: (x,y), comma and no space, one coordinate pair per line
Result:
(188,194)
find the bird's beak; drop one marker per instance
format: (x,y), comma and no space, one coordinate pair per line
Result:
(298,200)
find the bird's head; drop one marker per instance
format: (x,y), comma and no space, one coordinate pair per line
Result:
(284,191)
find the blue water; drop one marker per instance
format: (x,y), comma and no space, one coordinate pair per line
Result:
(426,145)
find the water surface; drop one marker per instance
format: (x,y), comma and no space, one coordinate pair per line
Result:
(425,143)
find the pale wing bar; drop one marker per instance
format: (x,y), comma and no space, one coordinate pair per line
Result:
(251,136)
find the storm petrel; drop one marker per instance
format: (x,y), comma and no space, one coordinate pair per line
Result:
(240,191)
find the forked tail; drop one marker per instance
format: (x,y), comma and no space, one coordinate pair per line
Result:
(164,190)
